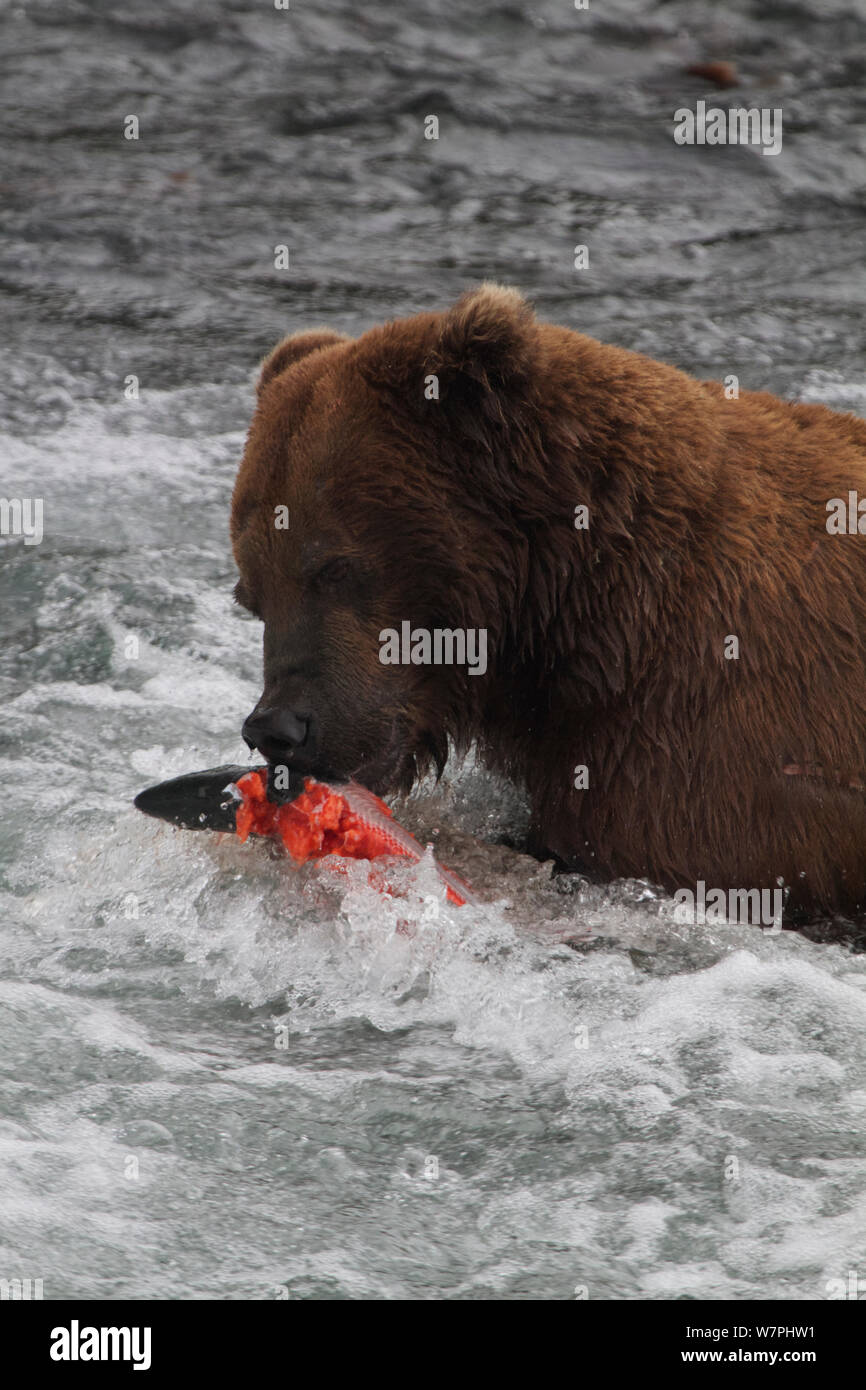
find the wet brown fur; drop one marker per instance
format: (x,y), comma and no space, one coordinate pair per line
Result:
(707,518)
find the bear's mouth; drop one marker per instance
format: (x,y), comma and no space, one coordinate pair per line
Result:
(391,771)
(393,767)
(403,761)
(291,783)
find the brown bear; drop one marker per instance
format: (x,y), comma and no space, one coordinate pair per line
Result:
(664,591)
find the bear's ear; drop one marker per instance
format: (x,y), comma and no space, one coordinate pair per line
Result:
(293,348)
(483,365)
(478,361)
(489,336)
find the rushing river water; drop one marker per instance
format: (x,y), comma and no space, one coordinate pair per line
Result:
(225,1078)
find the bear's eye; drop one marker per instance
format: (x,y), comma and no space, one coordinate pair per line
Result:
(333,573)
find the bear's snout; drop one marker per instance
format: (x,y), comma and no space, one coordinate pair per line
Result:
(279,734)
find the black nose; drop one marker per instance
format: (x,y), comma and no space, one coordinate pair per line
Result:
(277,733)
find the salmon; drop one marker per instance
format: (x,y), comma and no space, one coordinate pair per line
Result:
(324,819)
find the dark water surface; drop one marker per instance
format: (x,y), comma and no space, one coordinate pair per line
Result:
(154,1141)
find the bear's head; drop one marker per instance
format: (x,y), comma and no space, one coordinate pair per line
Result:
(389,489)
